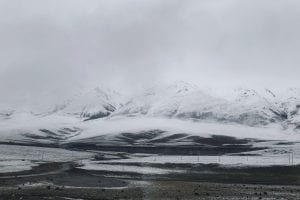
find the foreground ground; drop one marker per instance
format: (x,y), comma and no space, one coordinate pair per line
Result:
(65,181)
(32,173)
(156,190)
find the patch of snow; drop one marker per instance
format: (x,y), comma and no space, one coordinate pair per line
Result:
(39,184)
(95,165)
(229,160)
(15,152)
(8,166)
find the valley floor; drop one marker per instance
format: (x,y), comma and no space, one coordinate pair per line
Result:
(55,173)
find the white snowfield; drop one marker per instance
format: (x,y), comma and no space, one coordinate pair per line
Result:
(19,158)
(13,129)
(172,126)
(16,165)
(99,166)
(276,155)
(224,160)
(16,129)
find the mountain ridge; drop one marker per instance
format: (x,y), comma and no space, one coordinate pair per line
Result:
(184,101)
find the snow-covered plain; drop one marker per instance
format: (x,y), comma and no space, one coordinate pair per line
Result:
(172,126)
(17,128)
(18,158)
(96,165)
(16,165)
(225,160)
(276,155)
(14,152)
(15,158)
(14,129)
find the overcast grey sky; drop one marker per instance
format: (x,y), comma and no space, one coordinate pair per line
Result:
(59,45)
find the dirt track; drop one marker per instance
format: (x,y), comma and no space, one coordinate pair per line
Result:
(157,190)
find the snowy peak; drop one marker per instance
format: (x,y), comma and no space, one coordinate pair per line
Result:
(253,99)
(246,94)
(177,88)
(158,101)
(85,104)
(182,100)
(93,104)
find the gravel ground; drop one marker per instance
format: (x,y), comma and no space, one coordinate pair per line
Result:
(156,190)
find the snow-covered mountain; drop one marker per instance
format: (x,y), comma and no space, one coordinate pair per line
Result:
(93,104)
(85,104)
(290,102)
(183,100)
(253,107)
(161,101)
(179,100)
(100,111)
